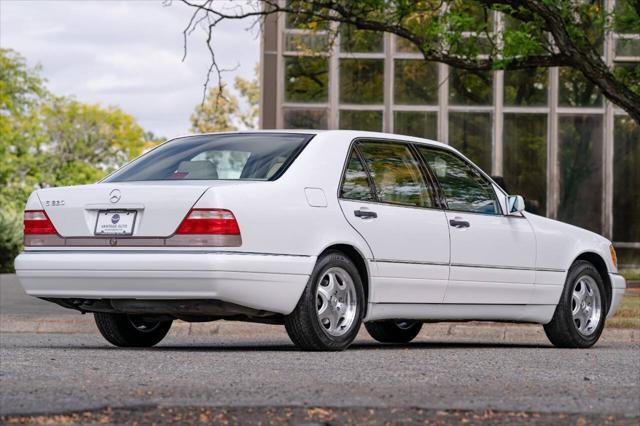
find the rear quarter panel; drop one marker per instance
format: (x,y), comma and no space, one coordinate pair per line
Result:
(278,216)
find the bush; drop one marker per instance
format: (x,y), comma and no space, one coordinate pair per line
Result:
(10,235)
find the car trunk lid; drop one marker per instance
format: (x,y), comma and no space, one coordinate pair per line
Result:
(159,206)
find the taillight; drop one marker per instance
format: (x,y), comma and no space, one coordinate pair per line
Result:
(36,222)
(209,221)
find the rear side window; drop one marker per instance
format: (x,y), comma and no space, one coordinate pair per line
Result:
(463,186)
(241,156)
(396,174)
(355,185)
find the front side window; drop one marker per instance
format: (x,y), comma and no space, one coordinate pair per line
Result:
(463,186)
(396,174)
(355,185)
(249,156)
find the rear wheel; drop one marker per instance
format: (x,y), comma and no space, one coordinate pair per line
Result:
(579,317)
(131,330)
(329,312)
(394,331)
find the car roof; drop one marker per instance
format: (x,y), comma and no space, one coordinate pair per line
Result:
(350,134)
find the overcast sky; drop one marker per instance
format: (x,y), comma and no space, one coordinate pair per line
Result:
(125,53)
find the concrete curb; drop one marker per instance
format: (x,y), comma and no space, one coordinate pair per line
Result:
(481,331)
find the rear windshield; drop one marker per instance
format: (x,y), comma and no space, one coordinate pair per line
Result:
(250,156)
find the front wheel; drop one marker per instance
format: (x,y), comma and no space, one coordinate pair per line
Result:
(394,331)
(329,313)
(579,317)
(131,330)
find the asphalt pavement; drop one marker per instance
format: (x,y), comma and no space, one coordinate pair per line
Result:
(254,372)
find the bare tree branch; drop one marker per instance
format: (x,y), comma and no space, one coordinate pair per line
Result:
(573,49)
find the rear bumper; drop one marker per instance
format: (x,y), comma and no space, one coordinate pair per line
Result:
(268,282)
(618,286)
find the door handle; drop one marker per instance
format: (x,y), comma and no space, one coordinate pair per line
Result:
(365,214)
(459,223)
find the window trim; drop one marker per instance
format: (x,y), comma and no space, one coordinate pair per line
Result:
(353,150)
(426,178)
(482,174)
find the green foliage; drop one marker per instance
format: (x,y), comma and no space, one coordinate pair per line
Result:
(221,111)
(216,113)
(52,141)
(250,91)
(306,79)
(526,87)
(629,74)
(627,17)
(361,81)
(10,233)
(87,141)
(354,40)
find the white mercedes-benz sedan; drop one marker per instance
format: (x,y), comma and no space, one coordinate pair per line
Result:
(316,230)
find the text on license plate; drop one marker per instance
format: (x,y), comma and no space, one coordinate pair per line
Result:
(115,222)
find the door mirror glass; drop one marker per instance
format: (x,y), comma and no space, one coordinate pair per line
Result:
(515,204)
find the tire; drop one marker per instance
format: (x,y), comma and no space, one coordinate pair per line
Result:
(394,331)
(329,313)
(573,322)
(131,330)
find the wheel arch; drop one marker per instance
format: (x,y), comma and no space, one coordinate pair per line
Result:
(598,262)
(359,260)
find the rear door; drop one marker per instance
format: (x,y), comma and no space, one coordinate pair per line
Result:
(492,255)
(386,196)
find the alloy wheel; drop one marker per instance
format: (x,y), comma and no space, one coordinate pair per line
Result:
(336,301)
(586,305)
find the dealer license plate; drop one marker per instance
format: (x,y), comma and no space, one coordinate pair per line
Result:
(115,222)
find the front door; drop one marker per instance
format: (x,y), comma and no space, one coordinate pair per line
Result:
(492,255)
(387,199)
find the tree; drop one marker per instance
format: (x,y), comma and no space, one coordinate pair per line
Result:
(537,34)
(221,111)
(250,91)
(49,141)
(85,141)
(21,92)
(216,113)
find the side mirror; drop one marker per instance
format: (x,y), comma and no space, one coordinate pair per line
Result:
(515,204)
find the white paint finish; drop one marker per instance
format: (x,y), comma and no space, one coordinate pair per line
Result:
(411,246)
(156,216)
(163,261)
(407,290)
(546,294)
(406,243)
(33,202)
(498,254)
(616,300)
(271,292)
(487,292)
(315,197)
(272,283)
(553,278)
(541,314)
(617,281)
(548,287)
(618,285)
(559,244)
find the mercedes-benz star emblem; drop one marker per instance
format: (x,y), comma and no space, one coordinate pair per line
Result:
(115,195)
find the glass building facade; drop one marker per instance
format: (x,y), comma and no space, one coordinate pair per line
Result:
(556,140)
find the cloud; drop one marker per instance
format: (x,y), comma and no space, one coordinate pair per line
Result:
(126,54)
